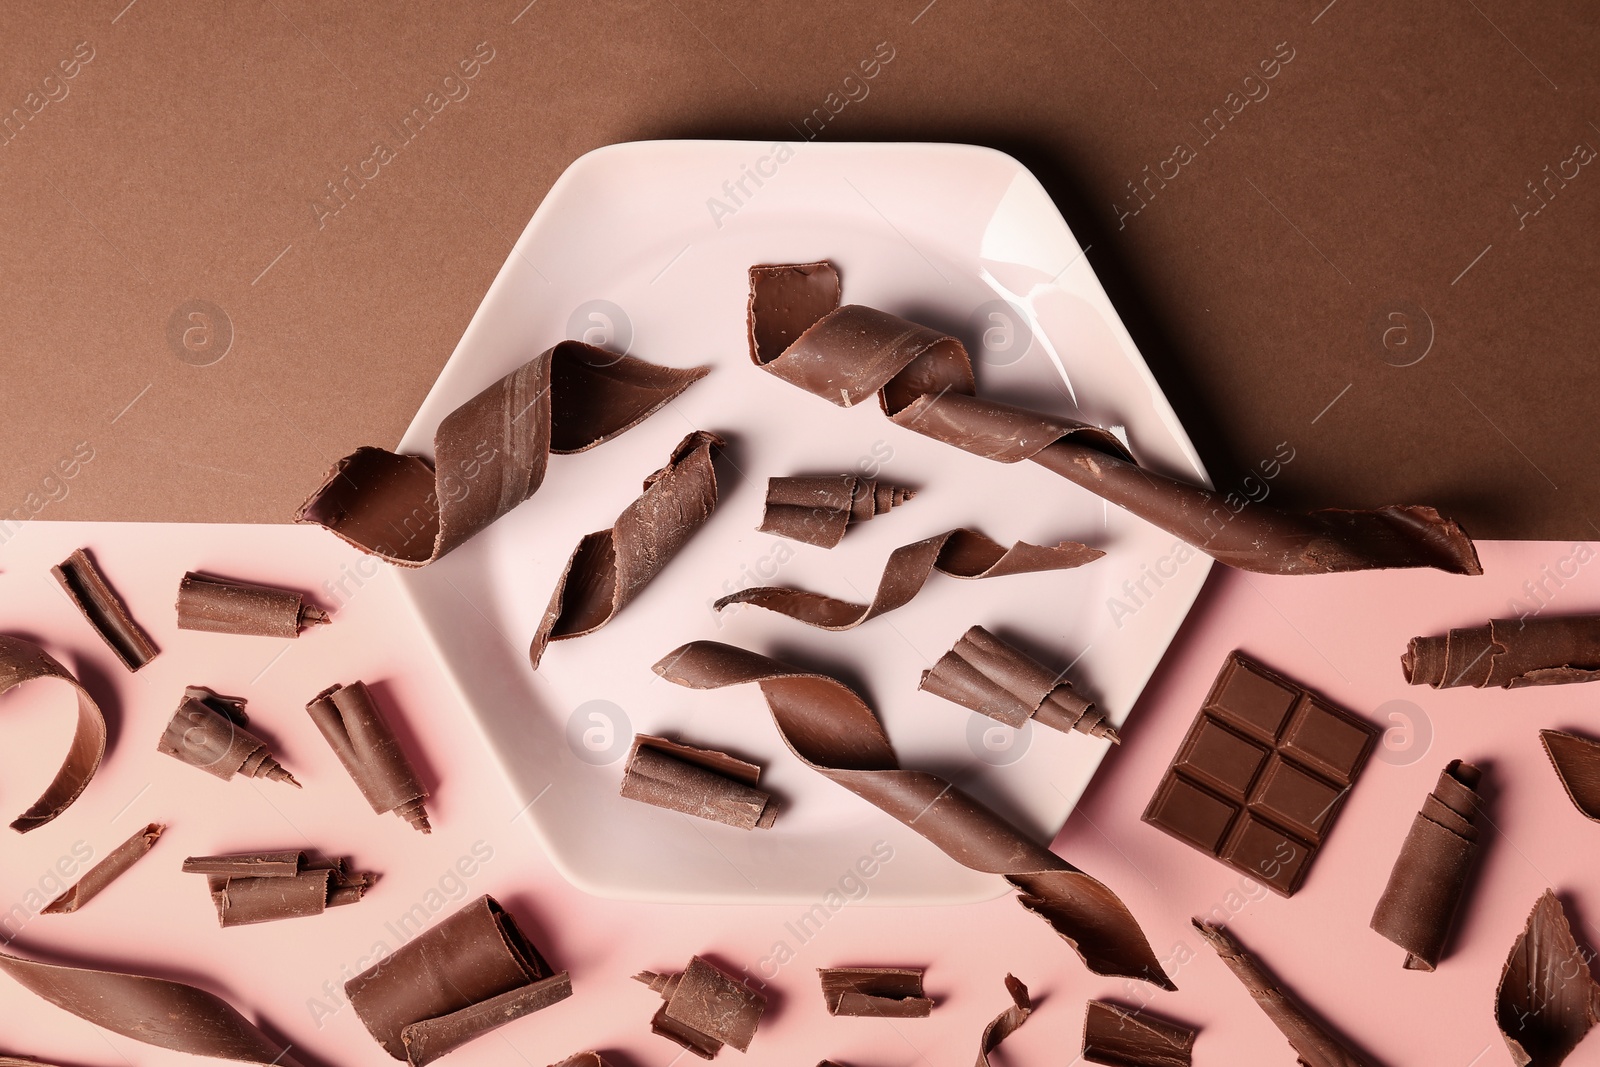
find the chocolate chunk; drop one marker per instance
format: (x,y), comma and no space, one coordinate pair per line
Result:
(705,1008)
(885,992)
(924,382)
(367,747)
(1508,653)
(1114,1035)
(108,870)
(1429,878)
(610,567)
(818,510)
(702,782)
(490,453)
(22,661)
(958,553)
(1577,763)
(99,603)
(837,735)
(208,731)
(1548,998)
(220,606)
(999,680)
(1262,774)
(262,887)
(471,973)
(1007,1022)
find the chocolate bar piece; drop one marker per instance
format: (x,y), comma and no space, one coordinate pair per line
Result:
(22,661)
(100,605)
(1577,763)
(108,870)
(883,992)
(1262,774)
(263,887)
(997,679)
(818,510)
(220,606)
(1121,1038)
(1548,998)
(705,1008)
(1007,1022)
(208,731)
(702,782)
(370,752)
(1508,653)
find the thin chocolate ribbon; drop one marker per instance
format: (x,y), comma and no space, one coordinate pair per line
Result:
(1007,1022)
(23,661)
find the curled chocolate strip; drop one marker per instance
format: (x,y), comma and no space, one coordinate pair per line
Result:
(833,732)
(1121,1038)
(1007,1022)
(958,553)
(208,731)
(100,605)
(705,1008)
(1548,998)
(465,976)
(490,453)
(265,886)
(108,870)
(702,782)
(220,606)
(924,382)
(1429,878)
(818,510)
(1577,763)
(367,747)
(610,567)
(876,992)
(997,679)
(1508,653)
(22,661)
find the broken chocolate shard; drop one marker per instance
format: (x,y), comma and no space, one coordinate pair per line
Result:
(370,752)
(878,992)
(1508,654)
(1007,1022)
(108,870)
(705,1008)
(22,661)
(997,679)
(490,453)
(217,605)
(924,382)
(702,782)
(1548,998)
(1120,1037)
(610,567)
(260,887)
(1419,904)
(1577,763)
(208,731)
(959,553)
(98,602)
(835,733)
(818,510)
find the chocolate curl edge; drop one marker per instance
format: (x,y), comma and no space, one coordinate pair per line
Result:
(22,661)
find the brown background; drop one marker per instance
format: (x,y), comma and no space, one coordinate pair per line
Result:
(1376,179)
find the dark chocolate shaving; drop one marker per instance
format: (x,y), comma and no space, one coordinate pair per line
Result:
(1119,1037)
(924,382)
(465,976)
(367,747)
(104,610)
(999,680)
(220,606)
(1429,878)
(1548,998)
(108,870)
(610,567)
(958,553)
(1007,1022)
(705,1008)
(1508,653)
(818,510)
(1577,763)
(583,1059)
(877,992)
(702,782)
(208,731)
(490,453)
(22,661)
(836,734)
(266,886)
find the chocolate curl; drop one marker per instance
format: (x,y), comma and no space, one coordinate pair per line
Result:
(999,680)
(818,510)
(705,1008)
(1007,1022)
(1121,1038)
(490,453)
(267,886)
(1312,1042)
(1577,763)
(100,605)
(1429,878)
(108,870)
(924,382)
(1508,653)
(371,754)
(583,1059)
(220,606)
(834,733)
(208,731)
(1548,998)
(958,553)
(22,661)
(610,567)
(702,782)
(877,992)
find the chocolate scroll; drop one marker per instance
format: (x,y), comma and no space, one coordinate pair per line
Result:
(108,870)
(490,453)
(1548,998)
(1429,878)
(88,590)
(924,382)
(1577,763)
(958,553)
(833,732)
(702,782)
(818,510)
(220,606)
(1118,1037)
(610,567)
(370,752)
(874,992)
(705,1008)
(467,975)
(22,661)
(208,731)
(999,680)
(1007,1022)
(263,887)
(1508,653)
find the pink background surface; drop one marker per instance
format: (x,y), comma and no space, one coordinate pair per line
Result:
(1340,634)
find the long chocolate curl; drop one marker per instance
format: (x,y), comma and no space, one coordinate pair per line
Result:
(924,382)
(22,661)
(108,870)
(610,567)
(997,679)
(834,733)
(818,510)
(217,605)
(98,602)
(1007,1022)
(208,731)
(370,752)
(1508,654)
(1548,999)
(490,453)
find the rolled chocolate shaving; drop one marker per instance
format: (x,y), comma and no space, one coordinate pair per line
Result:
(1548,998)
(490,453)
(701,782)
(924,382)
(1429,878)
(1577,763)
(958,553)
(880,992)
(1508,653)
(835,733)
(705,1008)
(104,610)
(818,510)
(465,976)
(23,661)
(208,731)
(1314,1043)
(997,679)
(370,752)
(220,606)
(610,567)
(1121,1038)
(1007,1022)
(108,870)
(267,886)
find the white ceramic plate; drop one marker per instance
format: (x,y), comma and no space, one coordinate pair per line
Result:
(644,247)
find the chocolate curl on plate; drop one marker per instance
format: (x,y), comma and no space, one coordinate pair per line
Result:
(371,754)
(834,733)
(924,382)
(490,453)
(610,567)
(108,870)
(100,605)
(265,886)
(1007,1022)
(958,553)
(1548,998)
(818,510)
(705,1008)
(875,992)
(208,731)
(220,606)
(1429,878)
(702,782)
(23,661)
(1577,763)
(1508,654)
(999,680)
(1119,1037)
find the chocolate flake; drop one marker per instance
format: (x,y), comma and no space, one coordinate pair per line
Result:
(265,886)
(367,747)
(1548,998)
(818,510)
(705,1008)
(1577,763)
(1116,1036)
(702,782)
(208,731)
(100,605)
(22,661)
(220,606)
(108,870)
(1007,1022)
(1508,653)
(878,992)
(999,680)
